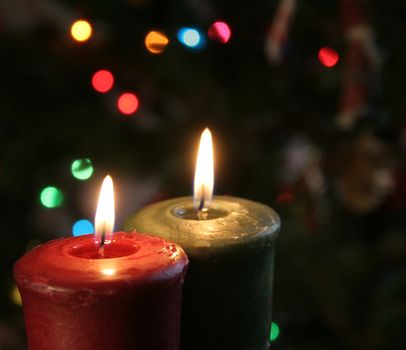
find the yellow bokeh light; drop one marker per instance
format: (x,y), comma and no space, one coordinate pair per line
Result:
(81,30)
(15,296)
(155,42)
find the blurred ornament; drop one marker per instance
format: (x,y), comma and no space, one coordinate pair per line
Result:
(278,32)
(303,182)
(102,81)
(366,175)
(361,63)
(219,32)
(155,42)
(302,161)
(81,30)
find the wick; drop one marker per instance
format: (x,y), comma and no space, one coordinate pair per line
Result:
(101,246)
(202,212)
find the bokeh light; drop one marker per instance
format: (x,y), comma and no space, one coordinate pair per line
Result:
(328,57)
(219,32)
(15,296)
(274,334)
(102,81)
(81,30)
(285,197)
(82,169)
(82,227)
(127,103)
(155,42)
(51,197)
(191,37)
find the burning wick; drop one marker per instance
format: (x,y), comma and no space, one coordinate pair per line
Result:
(204,176)
(202,212)
(101,246)
(104,221)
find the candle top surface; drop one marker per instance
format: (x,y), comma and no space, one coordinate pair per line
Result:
(74,263)
(230,221)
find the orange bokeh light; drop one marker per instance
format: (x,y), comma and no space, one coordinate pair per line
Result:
(155,42)
(127,103)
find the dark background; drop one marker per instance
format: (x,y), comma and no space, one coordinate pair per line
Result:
(324,146)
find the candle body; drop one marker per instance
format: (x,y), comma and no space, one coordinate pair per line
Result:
(130,299)
(228,291)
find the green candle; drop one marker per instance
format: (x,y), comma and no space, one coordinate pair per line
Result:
(230,243)
(228,290)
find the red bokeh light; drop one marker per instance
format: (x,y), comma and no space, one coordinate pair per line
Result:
(127,103)
(285,197)
(220,32)
(102,81)
(328,57)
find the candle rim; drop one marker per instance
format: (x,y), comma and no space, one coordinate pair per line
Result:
(198,235)
(160,260)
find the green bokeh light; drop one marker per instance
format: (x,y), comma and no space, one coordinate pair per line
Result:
(274,332)
(82,169)
(51,197)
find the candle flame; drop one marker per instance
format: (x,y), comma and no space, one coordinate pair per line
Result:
(204,175)
(104,221)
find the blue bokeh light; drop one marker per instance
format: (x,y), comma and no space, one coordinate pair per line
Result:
(82,227)
(191,37)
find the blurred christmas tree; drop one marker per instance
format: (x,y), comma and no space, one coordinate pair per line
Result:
(306,102)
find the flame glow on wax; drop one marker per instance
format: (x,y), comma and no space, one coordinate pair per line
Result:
(108,271)
(204,175)
(105,216)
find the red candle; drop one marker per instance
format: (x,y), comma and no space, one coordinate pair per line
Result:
(122,292)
